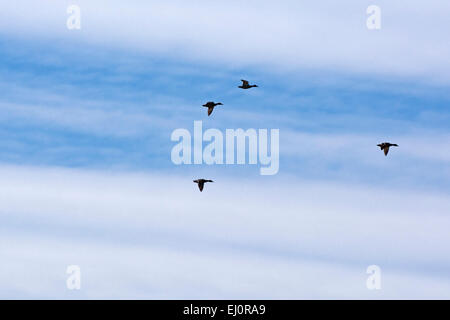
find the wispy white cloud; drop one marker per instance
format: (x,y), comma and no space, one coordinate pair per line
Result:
(297,34)
(35,268)
(303,230)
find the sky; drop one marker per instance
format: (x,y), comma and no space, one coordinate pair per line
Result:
(86,118)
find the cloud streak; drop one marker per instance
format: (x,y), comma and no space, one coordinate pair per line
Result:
(303,224)
(297,35)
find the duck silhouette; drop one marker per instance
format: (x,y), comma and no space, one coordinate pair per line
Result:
(245,85)
(201,183)
(210,105)
(385,147)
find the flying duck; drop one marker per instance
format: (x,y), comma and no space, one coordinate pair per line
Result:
(201,183)
(385,147)
(245,85)
(210,105)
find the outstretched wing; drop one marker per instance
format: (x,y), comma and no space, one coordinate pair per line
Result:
(386,151)
(244,82)
(210,110)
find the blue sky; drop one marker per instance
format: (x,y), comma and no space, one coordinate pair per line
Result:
(86,119)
